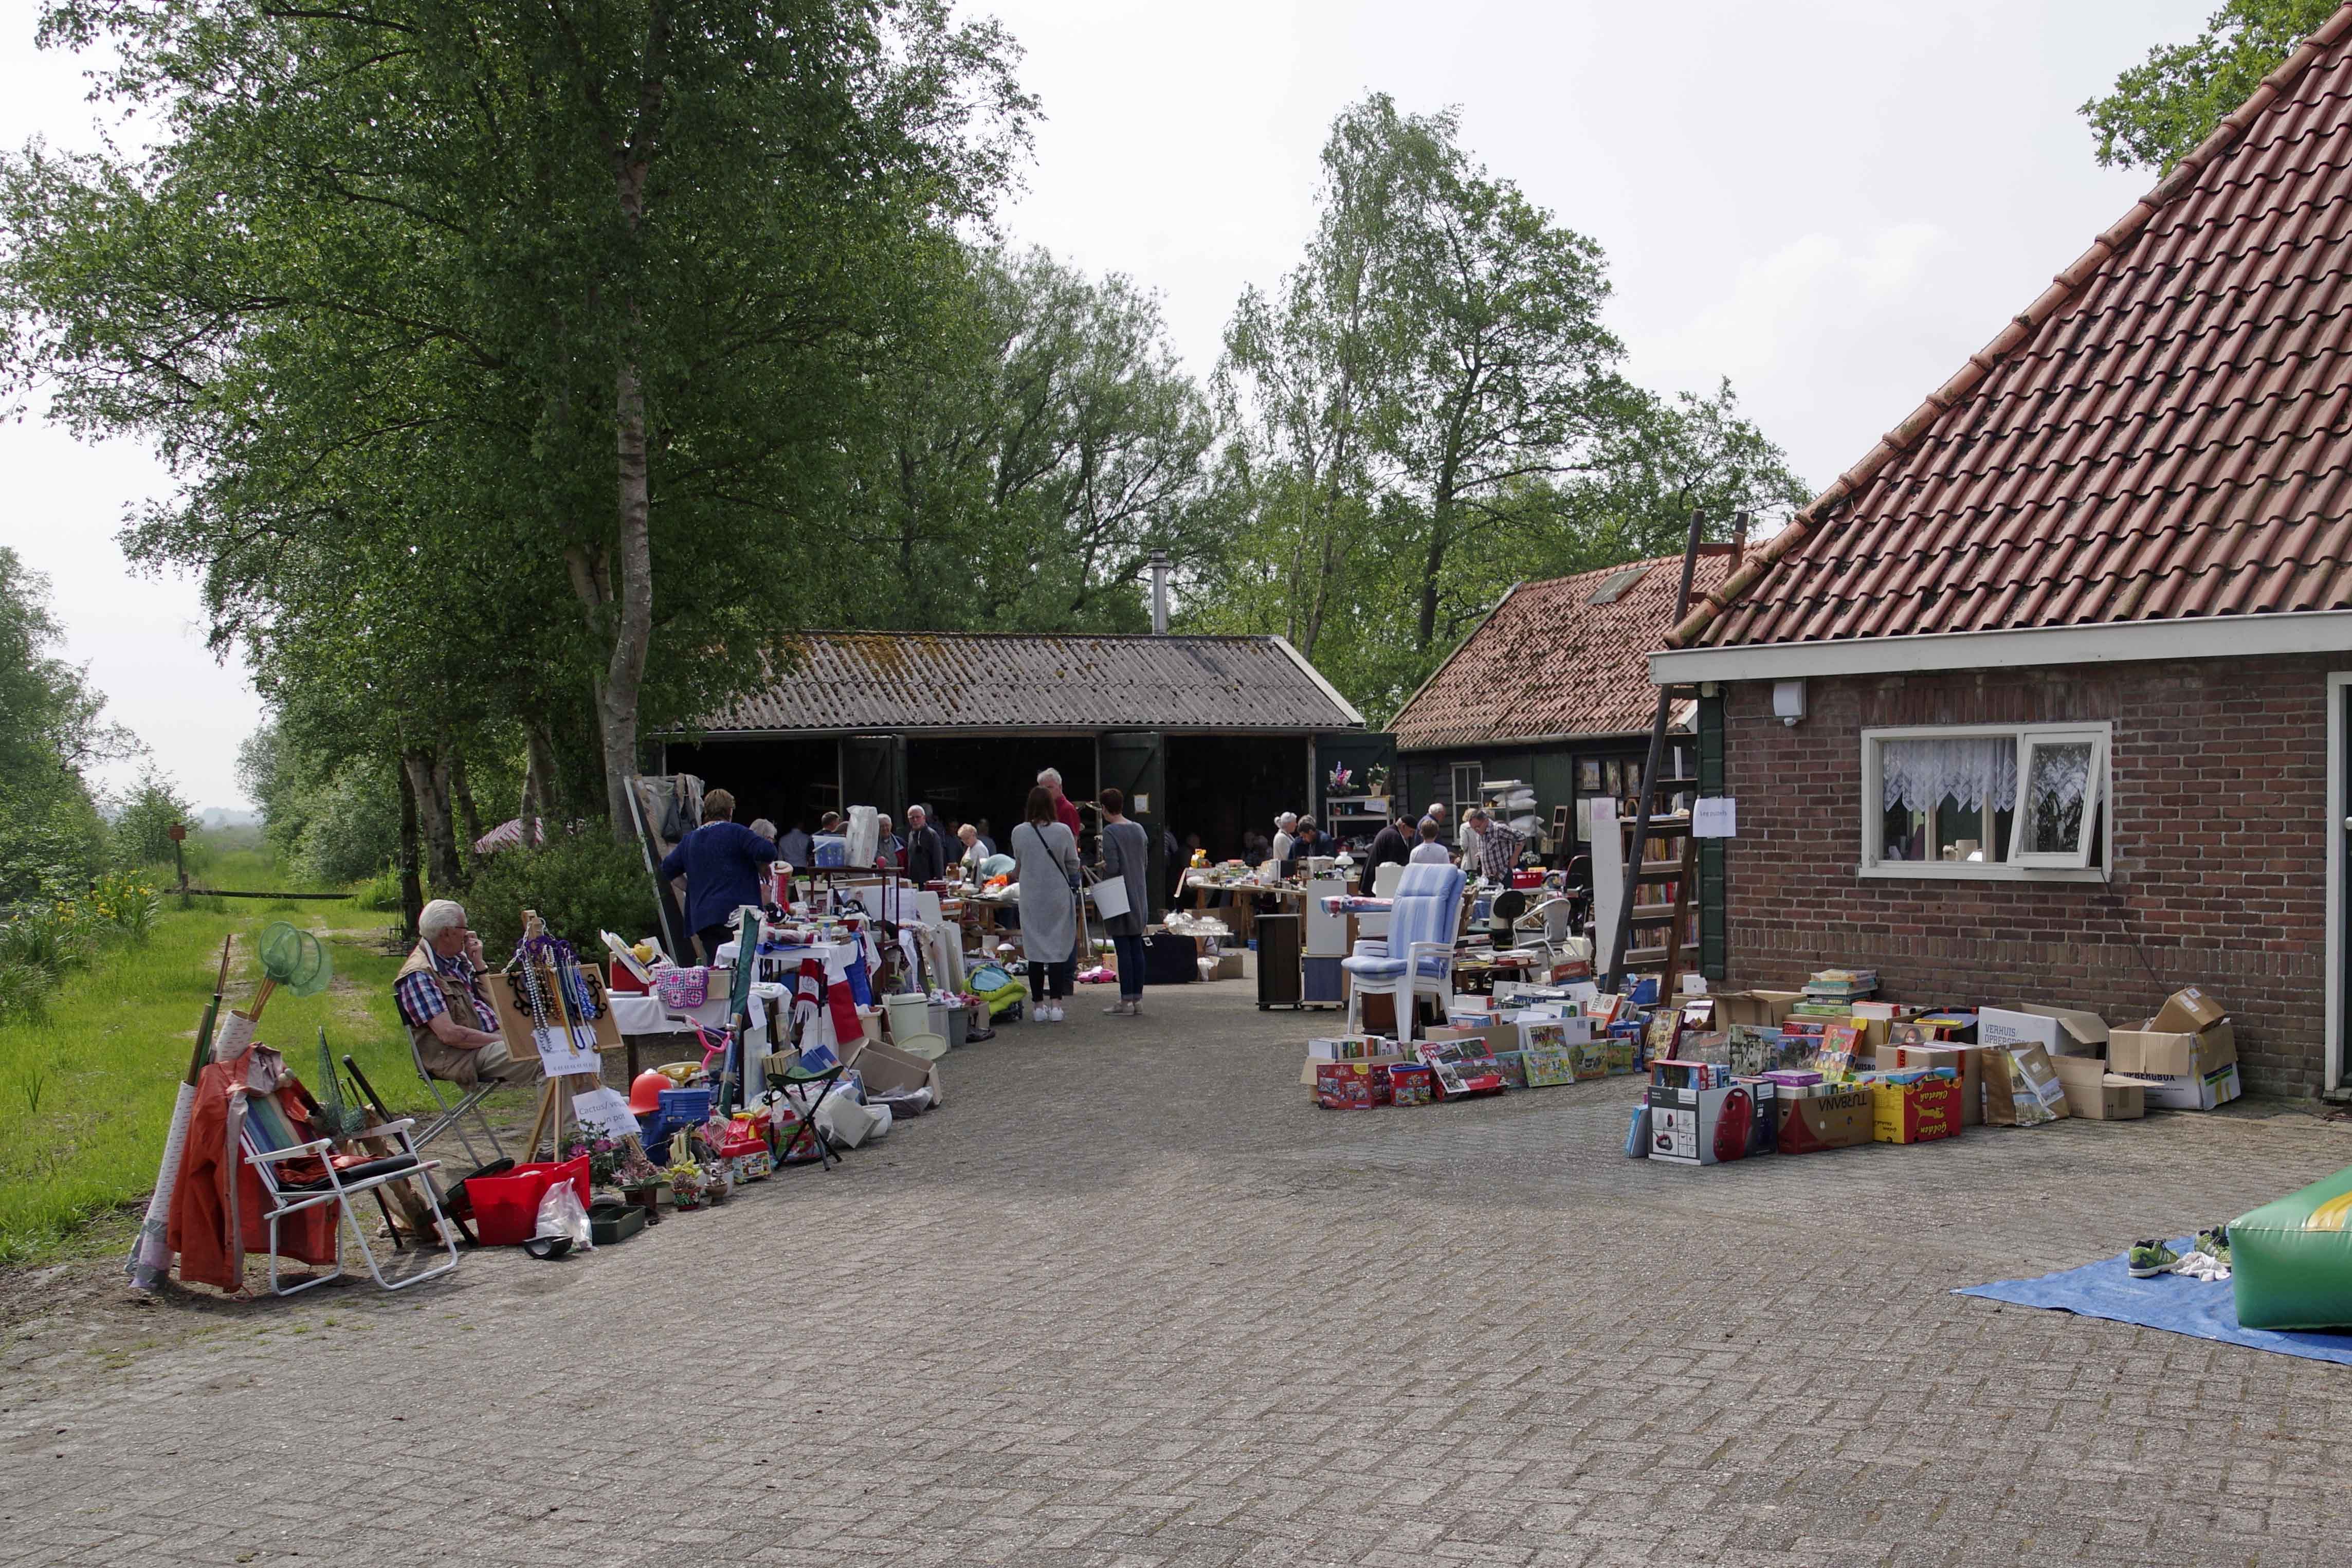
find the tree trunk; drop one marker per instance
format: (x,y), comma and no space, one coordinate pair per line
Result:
(1431,566)
(462,793)
(624,672)
(428,784)
(535,802)
(412,882)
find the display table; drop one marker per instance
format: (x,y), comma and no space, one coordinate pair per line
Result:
(644,1019)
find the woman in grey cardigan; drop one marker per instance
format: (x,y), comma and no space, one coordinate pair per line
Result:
(1047,863)
(1127,855)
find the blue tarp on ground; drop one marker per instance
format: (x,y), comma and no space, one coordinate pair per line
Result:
(2172,1302)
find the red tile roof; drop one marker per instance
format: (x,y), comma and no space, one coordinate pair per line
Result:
(1548,663)
(2166,433)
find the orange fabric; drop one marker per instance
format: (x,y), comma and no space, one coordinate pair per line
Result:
(200,1202)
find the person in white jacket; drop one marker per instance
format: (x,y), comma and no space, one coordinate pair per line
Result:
(1431,850)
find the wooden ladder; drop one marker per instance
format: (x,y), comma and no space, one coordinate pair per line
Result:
(1665,891)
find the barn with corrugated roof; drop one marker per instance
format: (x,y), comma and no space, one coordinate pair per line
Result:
(1208,735)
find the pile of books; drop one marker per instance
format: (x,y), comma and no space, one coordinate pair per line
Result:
(1842,985)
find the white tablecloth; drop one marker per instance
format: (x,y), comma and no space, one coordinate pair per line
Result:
(646,1015)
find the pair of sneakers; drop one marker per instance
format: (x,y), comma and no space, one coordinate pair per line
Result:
(2149,1258)
(1046,1013)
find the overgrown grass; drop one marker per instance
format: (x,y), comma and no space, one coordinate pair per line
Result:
(86,1095)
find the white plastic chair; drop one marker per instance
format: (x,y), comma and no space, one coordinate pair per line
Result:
(339,1187)
(1416,959)
(1385,878)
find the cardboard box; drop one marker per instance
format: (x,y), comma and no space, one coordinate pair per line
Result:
(2152,1052)
(2188,1011)
(1765,1010)
(1307,1073)
(887,1069)
(2079,1034)
(1350,1085)
(1226,965)
(1702,1126)
(1547,1065)
(2216,1087)
(1812,1125)
(1967,1063)
(2179,1071)
(2021,1087)
(2097,1095)
(1921,1112)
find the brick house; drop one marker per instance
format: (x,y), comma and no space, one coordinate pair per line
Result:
(2045,699)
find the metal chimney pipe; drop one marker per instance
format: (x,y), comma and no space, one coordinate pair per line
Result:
(1160,593)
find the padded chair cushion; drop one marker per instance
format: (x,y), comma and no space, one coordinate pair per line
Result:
(351,1174)
(1374,968)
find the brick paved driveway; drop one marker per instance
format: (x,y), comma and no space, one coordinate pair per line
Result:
(1129,1299)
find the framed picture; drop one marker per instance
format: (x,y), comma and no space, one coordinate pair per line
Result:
(1588,775)
(1614,777)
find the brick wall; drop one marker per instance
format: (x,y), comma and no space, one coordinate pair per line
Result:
(2220,846)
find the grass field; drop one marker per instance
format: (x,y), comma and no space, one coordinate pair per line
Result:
(86,1096)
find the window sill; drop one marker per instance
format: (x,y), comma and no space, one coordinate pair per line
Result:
(1963,871)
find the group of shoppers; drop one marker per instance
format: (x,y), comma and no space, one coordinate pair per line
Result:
(723,864)
(1044,847)
(1488,848)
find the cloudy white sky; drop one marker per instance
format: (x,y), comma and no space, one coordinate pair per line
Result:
(1832,202)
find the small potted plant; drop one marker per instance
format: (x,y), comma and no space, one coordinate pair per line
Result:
(686,1185)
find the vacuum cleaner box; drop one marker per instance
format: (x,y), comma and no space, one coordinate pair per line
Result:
(2182,1071)
(2153,1052)
(1842,1119)
(1702,1126)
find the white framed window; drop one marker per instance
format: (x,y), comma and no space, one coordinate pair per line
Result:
(1468,778)
(2001,802)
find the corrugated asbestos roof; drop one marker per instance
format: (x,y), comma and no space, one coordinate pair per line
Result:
(2166,433)
(1547,662)
(885,681)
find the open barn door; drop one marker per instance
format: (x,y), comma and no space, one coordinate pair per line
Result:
(1135,763)
(874,772)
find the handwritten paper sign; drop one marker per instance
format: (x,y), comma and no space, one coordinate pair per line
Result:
(562,1053)
(607,1111)
(1715,817)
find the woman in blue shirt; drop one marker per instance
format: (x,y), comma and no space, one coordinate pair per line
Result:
(722,863)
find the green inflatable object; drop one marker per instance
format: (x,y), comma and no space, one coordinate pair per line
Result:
(2291,1261)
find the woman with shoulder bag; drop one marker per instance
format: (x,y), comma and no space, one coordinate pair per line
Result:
(1126,856)
(1047,857)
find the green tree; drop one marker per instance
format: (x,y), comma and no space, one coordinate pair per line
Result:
(142,830)
(2162,107)
(467,325)
(1029,459)
(52,729)
(1428,410)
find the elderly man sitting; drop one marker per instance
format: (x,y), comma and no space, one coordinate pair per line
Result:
(439,992)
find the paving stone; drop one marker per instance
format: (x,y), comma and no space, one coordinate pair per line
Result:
(1129,1301)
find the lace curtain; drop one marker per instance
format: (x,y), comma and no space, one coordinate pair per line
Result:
(1917,775)
(2063,770)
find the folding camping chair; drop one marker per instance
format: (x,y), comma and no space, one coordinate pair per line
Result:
(1416,957)
(451,1118)
(267,1141)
